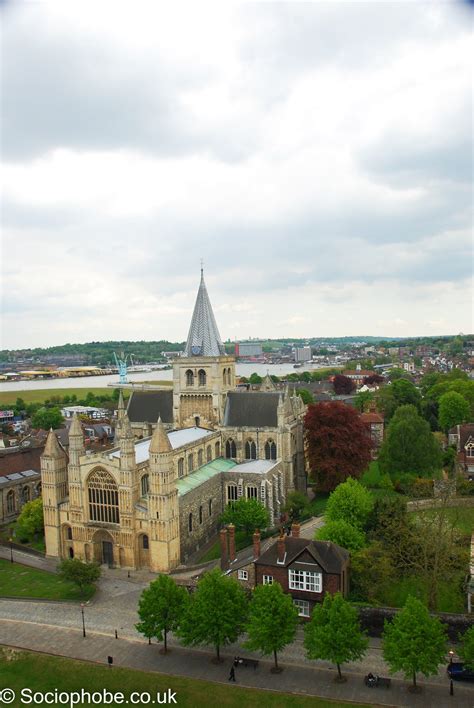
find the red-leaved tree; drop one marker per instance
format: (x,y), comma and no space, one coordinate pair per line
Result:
(338,444)
(343,384)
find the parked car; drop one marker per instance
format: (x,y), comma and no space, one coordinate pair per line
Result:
(458,672)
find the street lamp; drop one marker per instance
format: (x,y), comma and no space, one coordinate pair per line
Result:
(11,549)
(451,654)
(83,621)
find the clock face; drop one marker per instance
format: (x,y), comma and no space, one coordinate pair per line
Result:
(195,350)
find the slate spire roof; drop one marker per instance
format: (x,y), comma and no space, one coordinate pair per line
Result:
(203,338)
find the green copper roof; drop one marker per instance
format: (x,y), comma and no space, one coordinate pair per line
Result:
(193,480)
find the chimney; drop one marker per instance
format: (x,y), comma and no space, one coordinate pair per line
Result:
(224,558)
(231,529)
(295,529)
(281,547)
(256,543)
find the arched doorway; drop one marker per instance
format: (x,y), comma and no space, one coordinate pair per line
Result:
(103,548)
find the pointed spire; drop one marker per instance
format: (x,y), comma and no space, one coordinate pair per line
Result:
(160,442)
(267,383)
(52,447)
(76,427)
(121,406)
(124,429)
(203,338)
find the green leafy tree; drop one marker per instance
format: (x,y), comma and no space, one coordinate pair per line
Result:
(388,521)
(363,400)
(350,502)
(466,648)
(246,514)
(296,505)
(255,379)
(305,395)
(334,633)
(82,574)
(161,609)
(47,418)
(342,533)
(453,409)
(272,620)
(409,446)
(406,393)
(414,642)
(372,573)
(216,614)
(30,523)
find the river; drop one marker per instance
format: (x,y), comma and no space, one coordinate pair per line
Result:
(89,382)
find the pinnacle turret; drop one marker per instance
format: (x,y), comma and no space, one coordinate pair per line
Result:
(52,447)
(203,338)
(160,442)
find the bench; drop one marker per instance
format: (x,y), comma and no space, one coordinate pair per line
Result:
(377,682)
(245,661)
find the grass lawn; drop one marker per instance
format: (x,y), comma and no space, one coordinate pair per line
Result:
(450,597)
(463,518)
(18,580)
(39,672)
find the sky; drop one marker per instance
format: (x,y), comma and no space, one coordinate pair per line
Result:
(316,156)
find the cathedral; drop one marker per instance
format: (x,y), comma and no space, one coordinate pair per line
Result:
(181,456)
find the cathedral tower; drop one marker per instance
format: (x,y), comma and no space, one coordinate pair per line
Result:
(54,491)
(163,508)
(203,376)
(76,451)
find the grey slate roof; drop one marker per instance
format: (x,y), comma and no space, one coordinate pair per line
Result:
(203,338)
(328,555)
(147,406)
(253,409)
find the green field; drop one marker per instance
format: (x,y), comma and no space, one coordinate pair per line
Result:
(39,672)
(41,394)
(463,517)
(18,580)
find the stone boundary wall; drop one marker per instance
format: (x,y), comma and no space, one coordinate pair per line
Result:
(372,619)
(24,549)
(434,503)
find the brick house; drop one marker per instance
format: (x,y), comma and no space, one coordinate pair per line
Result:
(305,569)
(374,421)
(462,436)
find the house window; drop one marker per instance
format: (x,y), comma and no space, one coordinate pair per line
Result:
(10,502)
(190,523)
(270,450)
(181,467)
(231,493)
(230,449)
(189,378)
(242,575)
(209,453)
(200,456)
(190,462)
(305,580)
(145,543)
(145,484)
(250,450)
(267,579)
(202,377)
(103,497)
(303,607)
(470,450)
(200,514)
(252,492)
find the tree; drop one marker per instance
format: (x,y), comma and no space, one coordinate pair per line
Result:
(414,642)
(409,446)
(343,384)
(272,621)
(255,379)
(30,523)
(334,633)
(296,504)
(466,649)
(405,393)
(161,608)
(388,521)
(453,409)
(47,418)
(342,533)
(363,400)
(338,444)
(246,514)
(216,614)
(82,574)
(350,502)
(305,395)
(372,573)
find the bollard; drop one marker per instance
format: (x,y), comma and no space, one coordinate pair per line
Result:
(451,688)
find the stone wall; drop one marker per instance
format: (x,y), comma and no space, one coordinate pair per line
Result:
(189,504)
(373,618)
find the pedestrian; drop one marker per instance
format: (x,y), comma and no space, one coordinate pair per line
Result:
(232,674)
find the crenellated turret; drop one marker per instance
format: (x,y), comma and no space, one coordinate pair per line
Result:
(54,490)
(76,451)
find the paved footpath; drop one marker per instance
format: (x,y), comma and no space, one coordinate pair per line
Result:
(305,680)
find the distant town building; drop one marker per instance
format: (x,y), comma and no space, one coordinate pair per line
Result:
(248,349)
(302,354)
(87,411)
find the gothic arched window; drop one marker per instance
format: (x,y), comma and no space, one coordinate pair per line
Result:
(10,502)
(145,542)
(190,462)
(189,378)
(181,467)
(250,450)
(218,449)
(270,450)
(25,494)
(200,458)
(252,492)
(230,449)
(202,377)
(69,533)
(103,497)
(145,485)
(231,493)
(209,453)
